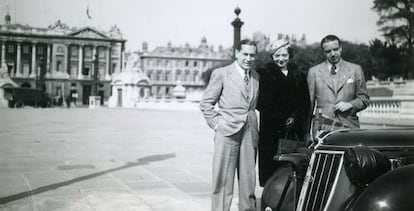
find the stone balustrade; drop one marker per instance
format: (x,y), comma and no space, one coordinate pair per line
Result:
(390,107)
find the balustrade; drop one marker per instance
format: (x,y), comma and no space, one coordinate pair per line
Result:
(388,107)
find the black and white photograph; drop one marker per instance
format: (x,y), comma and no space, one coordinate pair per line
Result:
(221,105)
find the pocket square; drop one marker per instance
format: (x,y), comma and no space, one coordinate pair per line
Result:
(350,81)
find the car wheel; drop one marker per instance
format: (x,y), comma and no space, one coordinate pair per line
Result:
(19,104)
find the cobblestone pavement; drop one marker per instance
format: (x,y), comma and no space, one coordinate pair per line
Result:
(105,159)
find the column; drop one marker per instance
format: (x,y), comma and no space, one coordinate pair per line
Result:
(66,61)
(18,57)
(48,73)
(122,57)
(237,24)
(94,72)
(33,68)
(80,63)
(3,54)
(94,56)
(108,53)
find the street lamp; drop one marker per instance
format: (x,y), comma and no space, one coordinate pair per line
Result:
(95,75)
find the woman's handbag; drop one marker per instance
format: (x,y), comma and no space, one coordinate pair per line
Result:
(289,144)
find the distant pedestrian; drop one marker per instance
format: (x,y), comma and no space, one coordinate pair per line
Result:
(68,101)
(235,89)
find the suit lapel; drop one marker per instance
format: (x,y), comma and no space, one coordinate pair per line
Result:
(344,75)
(325,77)
(236,78)
(255,85)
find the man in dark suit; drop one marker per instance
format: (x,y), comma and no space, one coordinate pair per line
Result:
(235,89)
(337,88)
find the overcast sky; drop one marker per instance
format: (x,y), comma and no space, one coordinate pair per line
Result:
(187,21)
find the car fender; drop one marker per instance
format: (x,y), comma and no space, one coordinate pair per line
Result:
(391,191)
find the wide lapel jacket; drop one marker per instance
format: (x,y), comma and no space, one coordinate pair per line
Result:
(227,88)
(344,74)
(324,76)
(349,87)
(236,79)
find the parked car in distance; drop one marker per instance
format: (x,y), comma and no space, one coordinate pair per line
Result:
(346,170)
(19,97)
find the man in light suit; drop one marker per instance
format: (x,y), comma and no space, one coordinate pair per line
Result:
(337,87)
(235,89)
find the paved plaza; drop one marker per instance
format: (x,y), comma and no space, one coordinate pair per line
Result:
(105,159)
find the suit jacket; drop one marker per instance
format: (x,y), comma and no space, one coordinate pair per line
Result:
(281,97)
(226,87)
(348,85)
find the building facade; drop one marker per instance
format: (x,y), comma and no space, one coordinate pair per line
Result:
(170,66)
(62,60)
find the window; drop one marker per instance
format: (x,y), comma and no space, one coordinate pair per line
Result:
(60,49)
(178,75)
(85,71)
(101,53)
(25,49)
(186,63)
(73,69)
(74,51)
(113,67)
(187,75)
(195,76)
(167,76)
(39,50)
(195,63)
(58,91)
(149,74)
(58,66)
(159,76)
(10,48)
(88,52)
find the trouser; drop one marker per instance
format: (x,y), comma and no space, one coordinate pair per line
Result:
(231,153)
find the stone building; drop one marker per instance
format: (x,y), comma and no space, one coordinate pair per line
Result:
(62,60)
(168,66)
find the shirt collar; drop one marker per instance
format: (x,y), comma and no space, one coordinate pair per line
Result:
(241,70)
(330,65)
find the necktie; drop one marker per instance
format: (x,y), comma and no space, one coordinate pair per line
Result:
(333,68)
(246,82)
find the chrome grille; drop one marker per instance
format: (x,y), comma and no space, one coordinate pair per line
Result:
(320,179)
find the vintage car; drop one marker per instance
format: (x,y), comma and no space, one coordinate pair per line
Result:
(355,170)
(19,97)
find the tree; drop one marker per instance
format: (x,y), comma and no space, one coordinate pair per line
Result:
(397,24)
(386,60)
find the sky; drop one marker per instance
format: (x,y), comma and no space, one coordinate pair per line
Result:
(187,21)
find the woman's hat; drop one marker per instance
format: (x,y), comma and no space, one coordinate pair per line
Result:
(278,44)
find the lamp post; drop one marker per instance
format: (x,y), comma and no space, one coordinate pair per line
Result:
(95,75)
(93,99)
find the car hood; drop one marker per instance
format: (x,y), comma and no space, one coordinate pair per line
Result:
(386,137)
